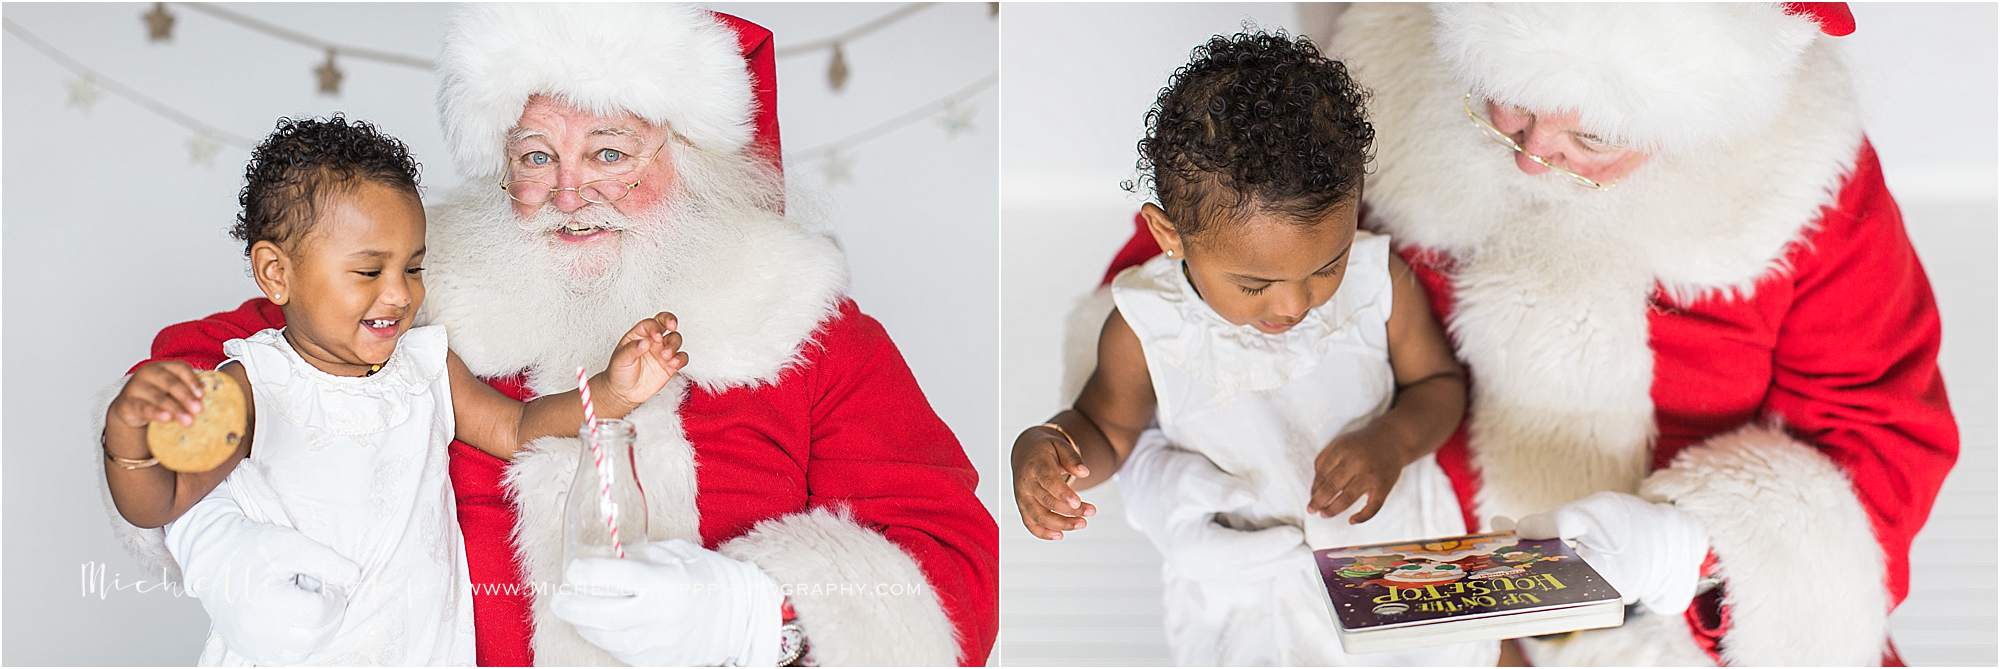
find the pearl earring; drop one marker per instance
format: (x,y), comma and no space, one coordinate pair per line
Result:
(1170,253)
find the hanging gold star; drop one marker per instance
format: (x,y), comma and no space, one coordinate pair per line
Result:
(836,72)
(329,75)
(202,149)
(159,24)
(83,93)
(837,168)
(956,118)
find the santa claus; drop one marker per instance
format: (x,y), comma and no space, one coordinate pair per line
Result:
(825,513)
(1700,342)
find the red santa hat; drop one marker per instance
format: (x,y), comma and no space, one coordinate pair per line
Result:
(1665,77)
(707,75)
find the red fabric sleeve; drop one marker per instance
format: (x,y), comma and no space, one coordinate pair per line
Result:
(1856,365)
(1139,249)
(881,451)
(199,342)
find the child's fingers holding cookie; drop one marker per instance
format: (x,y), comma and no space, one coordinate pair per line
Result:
(162,391)
(213,434)
(141,403)
(179,381)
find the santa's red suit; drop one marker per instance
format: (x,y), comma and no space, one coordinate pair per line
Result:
(796,439)
(1739,328)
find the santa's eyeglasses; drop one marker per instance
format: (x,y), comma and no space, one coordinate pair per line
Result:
(534,191)
(1508,141)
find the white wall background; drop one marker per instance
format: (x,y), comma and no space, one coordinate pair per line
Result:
(1926,74)
(110,233)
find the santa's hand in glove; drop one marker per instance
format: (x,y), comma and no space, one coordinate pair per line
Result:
(674,603)
(1173,496)
(272,594)
(1651,552)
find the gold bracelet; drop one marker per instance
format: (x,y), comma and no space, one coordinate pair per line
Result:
(129,464)
(1067,477)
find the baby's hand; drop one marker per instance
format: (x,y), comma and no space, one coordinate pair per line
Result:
(1044,464)
(159,391)
(1365,462)
(646,358)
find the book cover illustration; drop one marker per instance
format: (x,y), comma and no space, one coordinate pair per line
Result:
(1475,576)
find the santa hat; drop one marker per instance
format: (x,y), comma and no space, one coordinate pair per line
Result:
(1665,77)
(707,75)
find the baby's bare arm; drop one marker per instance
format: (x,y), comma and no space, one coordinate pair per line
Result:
(499,425)
(154,496)
(1430,384)
(1429,402)
(1116,404)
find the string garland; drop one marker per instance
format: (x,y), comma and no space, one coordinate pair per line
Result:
(953,112)
(160,25)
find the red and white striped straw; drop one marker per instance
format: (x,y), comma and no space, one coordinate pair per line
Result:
(604,502)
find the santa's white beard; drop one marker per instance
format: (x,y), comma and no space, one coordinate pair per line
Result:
(566,304)
(595,291)
(1550,191)
(649,244)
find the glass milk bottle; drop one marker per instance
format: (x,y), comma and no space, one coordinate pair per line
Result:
(586,532)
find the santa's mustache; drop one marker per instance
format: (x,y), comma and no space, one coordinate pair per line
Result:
(592,217)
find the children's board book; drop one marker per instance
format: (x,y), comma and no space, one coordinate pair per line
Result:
(1394,596)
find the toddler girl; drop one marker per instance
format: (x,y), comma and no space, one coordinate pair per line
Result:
(1293,350)
(342,468)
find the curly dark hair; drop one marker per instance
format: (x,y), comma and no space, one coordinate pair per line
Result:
(305,160)
(1255,122)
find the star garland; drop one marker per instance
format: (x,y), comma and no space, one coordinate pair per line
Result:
(953,113)
(160,28)
(87,86)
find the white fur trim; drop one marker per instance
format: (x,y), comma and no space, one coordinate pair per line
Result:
(1645,640)
(1771,504)
(799,551)
(149,546)
(748,313)
(537,483)
(1081,330)
(887,614)
(1671,77)
(1562,398)
(1552,292)
(1553,286)
(673,65)
(769,294)
(1703,225)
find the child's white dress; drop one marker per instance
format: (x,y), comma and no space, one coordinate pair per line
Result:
(359,464)
(1261,407)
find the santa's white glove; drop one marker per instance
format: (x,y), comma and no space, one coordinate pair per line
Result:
(1650,551)
(273,595)
(1173,495)
(674,603)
